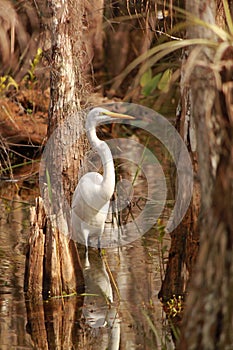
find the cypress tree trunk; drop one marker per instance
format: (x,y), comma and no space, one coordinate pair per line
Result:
(53,268)
(53,265)
(208,316)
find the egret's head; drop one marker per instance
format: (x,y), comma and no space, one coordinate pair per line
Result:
(100,115)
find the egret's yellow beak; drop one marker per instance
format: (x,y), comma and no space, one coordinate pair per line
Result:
(118,115)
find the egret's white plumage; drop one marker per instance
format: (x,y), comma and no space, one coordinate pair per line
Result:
(92,195)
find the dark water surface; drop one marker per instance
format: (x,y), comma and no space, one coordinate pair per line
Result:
(128,278)
(14,231)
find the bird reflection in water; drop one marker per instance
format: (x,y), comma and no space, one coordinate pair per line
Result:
(99,310)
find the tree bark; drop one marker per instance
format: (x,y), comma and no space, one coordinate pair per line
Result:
(53,265)
(208,318)
(53,269)
(185,238)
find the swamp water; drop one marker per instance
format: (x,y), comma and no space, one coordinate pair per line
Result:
(131,274)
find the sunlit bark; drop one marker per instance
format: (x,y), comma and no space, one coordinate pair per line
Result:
(59,274)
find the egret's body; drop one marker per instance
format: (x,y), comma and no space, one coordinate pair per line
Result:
(92,195)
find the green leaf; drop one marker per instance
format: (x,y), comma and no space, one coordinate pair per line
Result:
(146,78)
(164,82)
(151,85)
(11,82)
(155,54)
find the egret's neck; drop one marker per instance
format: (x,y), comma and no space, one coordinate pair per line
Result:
(106,157)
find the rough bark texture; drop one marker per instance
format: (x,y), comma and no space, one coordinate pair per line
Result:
(53,266)
(185,238)
(208,318)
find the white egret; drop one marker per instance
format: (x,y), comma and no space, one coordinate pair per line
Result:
(90,202)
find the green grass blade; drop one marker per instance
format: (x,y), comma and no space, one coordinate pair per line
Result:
(159,52)
(49,186)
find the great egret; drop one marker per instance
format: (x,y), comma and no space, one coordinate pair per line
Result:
(90,202)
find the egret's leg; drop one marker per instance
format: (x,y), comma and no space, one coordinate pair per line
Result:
(99,243)
(86,236)
(87,263)
(99,240)
(99,247)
